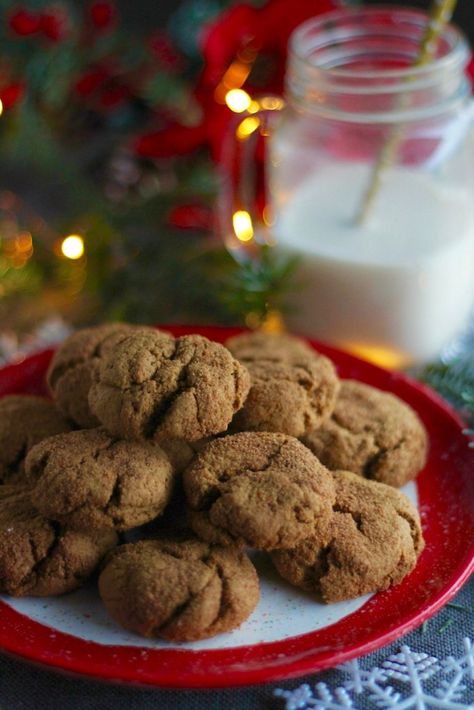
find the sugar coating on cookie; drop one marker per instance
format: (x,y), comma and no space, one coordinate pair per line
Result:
(372,543)
(38,558)
(72,368)
(288,396)
(150,387)
(372,433)
(179,590)
(24,421)
(179,452)
(273,346)
(89,480)
(264,490)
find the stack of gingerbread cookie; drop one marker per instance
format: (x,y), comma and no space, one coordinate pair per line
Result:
(205,452)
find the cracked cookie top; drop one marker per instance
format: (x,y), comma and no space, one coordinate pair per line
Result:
(24,421)
(264,490)
(288,396)
(151,387)
(271,346)
(88,480)
(372,543)
(72,368)
(179,590)
(372,433)
(39,558)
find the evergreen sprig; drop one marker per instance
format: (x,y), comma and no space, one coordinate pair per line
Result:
(454,381)
(254,288)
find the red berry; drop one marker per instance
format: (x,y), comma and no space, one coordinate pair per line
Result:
(103,14)
(90,81)
(163,49)
(54,23)
(23,22)
(12,94)
(192,216)
(113,97)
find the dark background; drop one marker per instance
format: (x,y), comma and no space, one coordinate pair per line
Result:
(145,14)
(463,16)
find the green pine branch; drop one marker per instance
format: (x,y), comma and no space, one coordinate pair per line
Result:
(454,381)
(252,288)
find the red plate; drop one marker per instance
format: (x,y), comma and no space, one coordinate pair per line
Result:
(446,500)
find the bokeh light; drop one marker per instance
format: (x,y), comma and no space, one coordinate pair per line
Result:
(246,127)
(243,227)
(238,100)
(72,246)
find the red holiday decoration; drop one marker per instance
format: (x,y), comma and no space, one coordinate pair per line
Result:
(223,39)
(163,49)
(103,14)
(102,90)
(23,22)
(89,82)
(12,94)
(231,45)
(470,69)
(113,96)
(54,23)
(191,216)
(175,139)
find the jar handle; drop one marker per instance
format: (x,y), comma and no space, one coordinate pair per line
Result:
(244,233)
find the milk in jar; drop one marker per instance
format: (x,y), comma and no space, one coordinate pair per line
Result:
(402,283)
(399,286)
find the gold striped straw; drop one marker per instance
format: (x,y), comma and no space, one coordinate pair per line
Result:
(440,14)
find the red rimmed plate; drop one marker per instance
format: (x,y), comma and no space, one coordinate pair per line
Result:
(289,634)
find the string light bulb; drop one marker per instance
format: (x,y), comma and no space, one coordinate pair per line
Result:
(238,100)
(246,127)
(72,247)
(272,103)
(243,227)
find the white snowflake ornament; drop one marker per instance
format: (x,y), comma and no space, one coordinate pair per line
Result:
(400,683)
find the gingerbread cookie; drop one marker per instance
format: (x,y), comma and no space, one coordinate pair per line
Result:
(372,433)
(372,543)
(288,396)
(71,371)
(24,421)
(179,453)
(270,346)
(151,387)
(88,480)
(260,489)
(179,590)
(38,558)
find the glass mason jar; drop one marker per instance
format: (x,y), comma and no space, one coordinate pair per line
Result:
(395,281)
